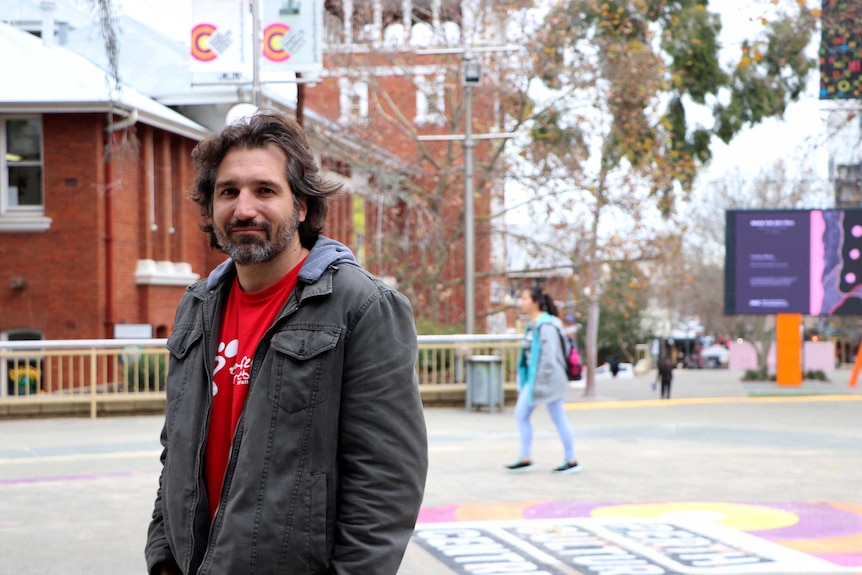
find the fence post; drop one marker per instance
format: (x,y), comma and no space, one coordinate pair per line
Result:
(93,379)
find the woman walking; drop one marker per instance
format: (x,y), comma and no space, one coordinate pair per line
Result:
(542,379)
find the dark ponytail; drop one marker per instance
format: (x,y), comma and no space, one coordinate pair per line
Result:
(544,299)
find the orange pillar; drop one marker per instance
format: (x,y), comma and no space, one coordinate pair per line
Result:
(856,367)
(788,357)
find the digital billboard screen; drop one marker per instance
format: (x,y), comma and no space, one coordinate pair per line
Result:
(793,261)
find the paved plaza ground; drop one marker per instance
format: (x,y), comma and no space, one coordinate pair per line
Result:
(727,477)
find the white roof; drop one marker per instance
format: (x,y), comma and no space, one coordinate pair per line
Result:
(149,61)
(45,79)
(28,14)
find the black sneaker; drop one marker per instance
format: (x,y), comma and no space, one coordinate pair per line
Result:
(519,466)
(567,468)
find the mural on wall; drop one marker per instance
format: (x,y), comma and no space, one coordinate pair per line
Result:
(841,50)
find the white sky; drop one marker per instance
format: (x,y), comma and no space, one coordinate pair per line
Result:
(171,17)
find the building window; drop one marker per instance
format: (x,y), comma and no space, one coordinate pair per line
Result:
(430,101)
(22,198)
(353,100)
(23,158)
(21,335)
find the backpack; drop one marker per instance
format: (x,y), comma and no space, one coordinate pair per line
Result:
(571,356)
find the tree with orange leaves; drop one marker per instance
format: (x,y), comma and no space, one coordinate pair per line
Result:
(635,94)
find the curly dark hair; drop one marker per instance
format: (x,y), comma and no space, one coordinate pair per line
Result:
(262,130)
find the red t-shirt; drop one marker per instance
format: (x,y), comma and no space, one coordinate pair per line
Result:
(245,319)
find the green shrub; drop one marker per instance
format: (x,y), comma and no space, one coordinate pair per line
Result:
(426,326)
(756,375)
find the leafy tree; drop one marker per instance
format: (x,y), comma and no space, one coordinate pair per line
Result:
(613,134)
(624,297)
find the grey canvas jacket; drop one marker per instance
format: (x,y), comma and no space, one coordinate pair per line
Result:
(542,363)
(551,383)
(328,463)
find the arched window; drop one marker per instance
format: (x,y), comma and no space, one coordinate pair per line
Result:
(353,101)
(430,100)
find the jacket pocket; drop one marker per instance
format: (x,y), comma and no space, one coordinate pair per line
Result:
(180,344)
(305,361)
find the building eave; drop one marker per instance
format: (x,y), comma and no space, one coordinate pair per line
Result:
(145,117)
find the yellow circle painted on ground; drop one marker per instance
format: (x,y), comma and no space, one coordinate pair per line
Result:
(734,515)
(493,511)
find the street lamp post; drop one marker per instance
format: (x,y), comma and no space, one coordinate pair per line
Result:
(255,54)
(472,76)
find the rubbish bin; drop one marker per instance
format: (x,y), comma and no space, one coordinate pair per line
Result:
(485,381)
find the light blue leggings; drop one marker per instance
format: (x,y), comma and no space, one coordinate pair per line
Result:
(557,411)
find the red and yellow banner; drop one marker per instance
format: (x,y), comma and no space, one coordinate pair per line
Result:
(291,38)
(217,35)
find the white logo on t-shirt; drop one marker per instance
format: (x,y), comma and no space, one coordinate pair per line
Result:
(230,350)
(240,371)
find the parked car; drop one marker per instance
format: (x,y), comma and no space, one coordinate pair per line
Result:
(604,371)
(715,356)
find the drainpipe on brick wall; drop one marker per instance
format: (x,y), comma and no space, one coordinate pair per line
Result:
(109,237)
(112,130)
(130,120)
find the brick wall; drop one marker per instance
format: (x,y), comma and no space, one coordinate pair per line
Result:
(69,281)
(61,266)
(441,179)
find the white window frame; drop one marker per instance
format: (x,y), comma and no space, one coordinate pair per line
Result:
(353,101)
(430,101)
(14,218)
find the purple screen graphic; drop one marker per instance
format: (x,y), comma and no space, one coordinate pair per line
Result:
(773,253)
(797,261)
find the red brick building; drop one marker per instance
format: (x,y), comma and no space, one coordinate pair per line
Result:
(393,77)
(97,234)
(104,245)
(94,230)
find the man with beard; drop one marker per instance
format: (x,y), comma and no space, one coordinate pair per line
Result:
(294,438)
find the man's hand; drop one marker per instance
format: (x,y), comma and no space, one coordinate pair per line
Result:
(167,569)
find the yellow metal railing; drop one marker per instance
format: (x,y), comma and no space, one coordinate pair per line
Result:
(81,371)
(99,371)
(443,362)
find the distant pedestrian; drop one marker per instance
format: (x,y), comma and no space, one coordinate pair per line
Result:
(614,364)
(665,375)
(542,378)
